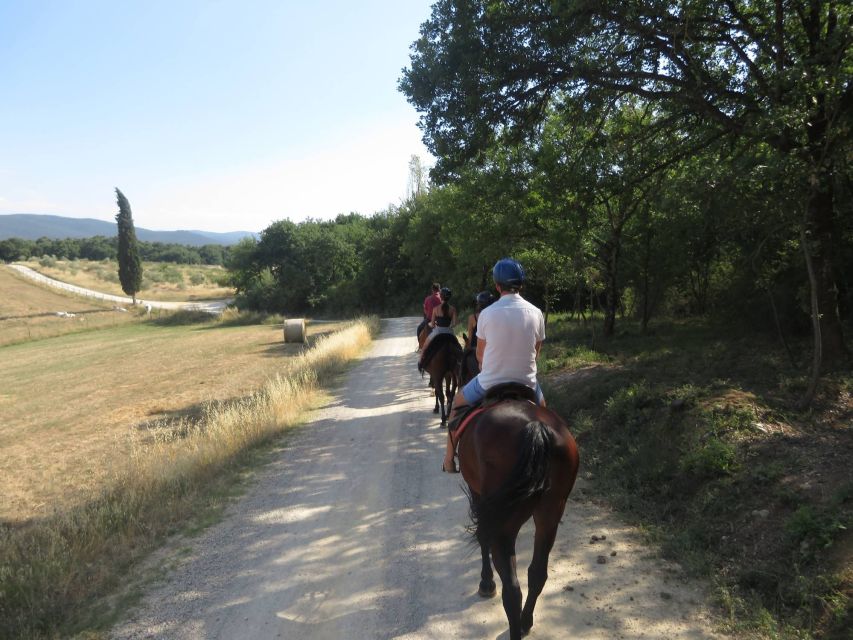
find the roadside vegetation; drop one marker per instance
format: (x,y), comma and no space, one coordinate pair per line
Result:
(114,439)
(692,431)
(162,281)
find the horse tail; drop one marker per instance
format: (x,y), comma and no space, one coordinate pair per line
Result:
(527,480)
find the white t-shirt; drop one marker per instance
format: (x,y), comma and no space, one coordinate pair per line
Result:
(511,327)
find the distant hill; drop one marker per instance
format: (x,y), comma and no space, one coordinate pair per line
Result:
(30,226)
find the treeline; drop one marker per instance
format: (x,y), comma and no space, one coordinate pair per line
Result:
(713,235)
(103,248)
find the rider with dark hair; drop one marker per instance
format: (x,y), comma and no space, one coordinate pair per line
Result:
(509,335)
(442,321)
(481,301)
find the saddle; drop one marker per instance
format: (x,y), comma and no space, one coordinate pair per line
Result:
(495,395)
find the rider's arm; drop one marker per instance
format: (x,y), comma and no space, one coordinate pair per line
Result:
(481,349)
(538,347)
(472,322)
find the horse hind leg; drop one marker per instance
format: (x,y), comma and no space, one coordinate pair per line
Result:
(449,392)
(503,555)
(439,401)
(547,519)
(487,588)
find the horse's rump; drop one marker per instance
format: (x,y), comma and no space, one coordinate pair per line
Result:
(527,480)
(442,342)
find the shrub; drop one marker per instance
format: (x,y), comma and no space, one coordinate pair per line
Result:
(713,459)
(626,405)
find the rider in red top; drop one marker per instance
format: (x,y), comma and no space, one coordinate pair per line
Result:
(432,301)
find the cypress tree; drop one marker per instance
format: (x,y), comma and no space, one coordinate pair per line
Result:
(129,264)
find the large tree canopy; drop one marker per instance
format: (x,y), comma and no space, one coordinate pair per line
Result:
(776,72)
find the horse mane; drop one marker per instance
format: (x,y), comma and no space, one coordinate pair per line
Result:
(528,479)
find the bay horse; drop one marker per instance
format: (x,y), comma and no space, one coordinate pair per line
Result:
(518,460)
(468,365)
(441,360)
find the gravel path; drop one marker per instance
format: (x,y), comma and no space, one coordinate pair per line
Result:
(212,306)
(352,532)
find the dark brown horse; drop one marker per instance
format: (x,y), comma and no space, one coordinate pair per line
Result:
(441,361)
(518,460)
(468,365)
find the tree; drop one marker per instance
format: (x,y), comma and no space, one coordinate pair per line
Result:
(417,178)
(129,264)
(771,71)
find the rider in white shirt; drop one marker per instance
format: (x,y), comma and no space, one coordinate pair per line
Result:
(509,335)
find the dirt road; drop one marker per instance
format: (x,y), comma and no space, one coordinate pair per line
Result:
(354,533)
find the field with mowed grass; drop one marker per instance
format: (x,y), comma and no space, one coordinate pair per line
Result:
(161,281)
(29,311)
(71,407)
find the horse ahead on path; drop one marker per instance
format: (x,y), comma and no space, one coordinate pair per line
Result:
(441,360)
(518,460)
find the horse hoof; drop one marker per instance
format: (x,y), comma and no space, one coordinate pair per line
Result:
(487,592)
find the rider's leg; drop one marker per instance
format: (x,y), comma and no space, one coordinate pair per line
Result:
(423,349)
(540,397)
(450,451)
(469,394)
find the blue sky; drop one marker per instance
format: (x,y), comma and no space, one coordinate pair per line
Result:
(215,115)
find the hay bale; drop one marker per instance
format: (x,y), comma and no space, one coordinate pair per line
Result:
(294,330)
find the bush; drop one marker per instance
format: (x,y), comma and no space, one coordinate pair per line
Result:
(627,405)
(184,317)
(713,459)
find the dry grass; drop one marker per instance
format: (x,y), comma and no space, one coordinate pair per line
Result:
(162,281)
(28,311)
(68,404)
(52,568)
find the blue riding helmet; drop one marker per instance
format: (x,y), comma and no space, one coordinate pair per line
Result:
(483,300)
(508,273)
(445,293)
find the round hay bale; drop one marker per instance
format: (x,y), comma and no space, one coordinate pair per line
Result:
(294,330)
